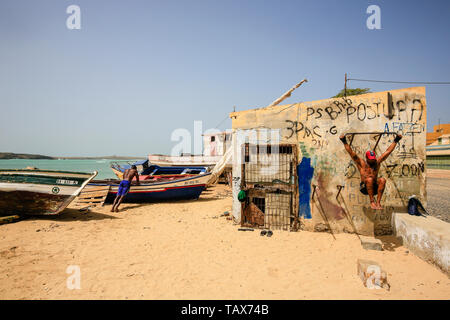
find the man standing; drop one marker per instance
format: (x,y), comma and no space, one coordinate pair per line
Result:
(370,183)
(124,186)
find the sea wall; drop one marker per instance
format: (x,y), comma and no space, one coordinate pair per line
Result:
(329,196)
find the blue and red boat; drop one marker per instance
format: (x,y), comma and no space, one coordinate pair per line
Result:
(156,173)
(168,190)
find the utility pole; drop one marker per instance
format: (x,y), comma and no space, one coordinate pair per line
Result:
(345,86)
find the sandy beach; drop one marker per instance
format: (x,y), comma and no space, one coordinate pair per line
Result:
(188,250)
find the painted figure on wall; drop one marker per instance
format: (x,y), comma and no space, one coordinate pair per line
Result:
(370,183)
(305,173)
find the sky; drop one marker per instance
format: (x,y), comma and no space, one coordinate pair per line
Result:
(138,70)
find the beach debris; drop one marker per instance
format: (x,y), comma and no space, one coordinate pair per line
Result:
(268,233)
(246,229)
(9,253)
(9,219)
(49,228)
(372,275)
(225,214)
(85,209)
(370,243)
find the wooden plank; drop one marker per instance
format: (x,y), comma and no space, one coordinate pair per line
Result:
(9,219)
(95,189)
(102,199)
(93,194)
(93,198)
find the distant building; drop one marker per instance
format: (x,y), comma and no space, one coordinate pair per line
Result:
(438,152)
(216,144)
(438,130)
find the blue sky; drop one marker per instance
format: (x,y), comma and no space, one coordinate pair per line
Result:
(137,70)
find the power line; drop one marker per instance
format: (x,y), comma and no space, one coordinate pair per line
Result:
(220,123)
(388,81)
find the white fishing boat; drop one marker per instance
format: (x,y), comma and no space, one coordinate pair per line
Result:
(215,146)
(183,160)
(39,192)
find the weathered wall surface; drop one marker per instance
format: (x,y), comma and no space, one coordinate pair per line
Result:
(314,127)
(427,237)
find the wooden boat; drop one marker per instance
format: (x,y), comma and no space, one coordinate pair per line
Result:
(179,189)
(156,173)
(39,192)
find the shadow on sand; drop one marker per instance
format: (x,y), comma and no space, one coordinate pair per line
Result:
(73,215)
(390,243)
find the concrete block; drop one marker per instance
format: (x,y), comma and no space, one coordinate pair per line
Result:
(370,243)
(426,237)
(372,275)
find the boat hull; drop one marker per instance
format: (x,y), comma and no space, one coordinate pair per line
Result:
(190,161)
(181,189)
(39,192)
(157,173)
(32,203)
(156,177)
(169,194)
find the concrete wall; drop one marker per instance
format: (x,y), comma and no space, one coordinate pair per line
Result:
(314,127)
(427,237)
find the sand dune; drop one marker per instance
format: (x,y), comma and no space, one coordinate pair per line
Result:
(186,250)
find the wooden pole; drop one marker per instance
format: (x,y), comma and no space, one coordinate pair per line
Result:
(287,94)
(345,86)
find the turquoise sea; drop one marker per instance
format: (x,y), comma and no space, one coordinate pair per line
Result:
(100,165)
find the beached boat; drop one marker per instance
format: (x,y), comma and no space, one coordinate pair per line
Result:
(184,160)
(39,192)
(152,172)
(180,189)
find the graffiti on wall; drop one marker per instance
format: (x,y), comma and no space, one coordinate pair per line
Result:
(318,126)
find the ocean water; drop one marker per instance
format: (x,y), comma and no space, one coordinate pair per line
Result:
(100,165)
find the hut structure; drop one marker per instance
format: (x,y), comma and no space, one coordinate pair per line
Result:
(296,174)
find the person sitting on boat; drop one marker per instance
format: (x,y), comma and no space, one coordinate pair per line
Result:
(370,183)
(124,186)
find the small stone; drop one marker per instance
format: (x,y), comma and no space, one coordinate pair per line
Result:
(370,243)
(372,275)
